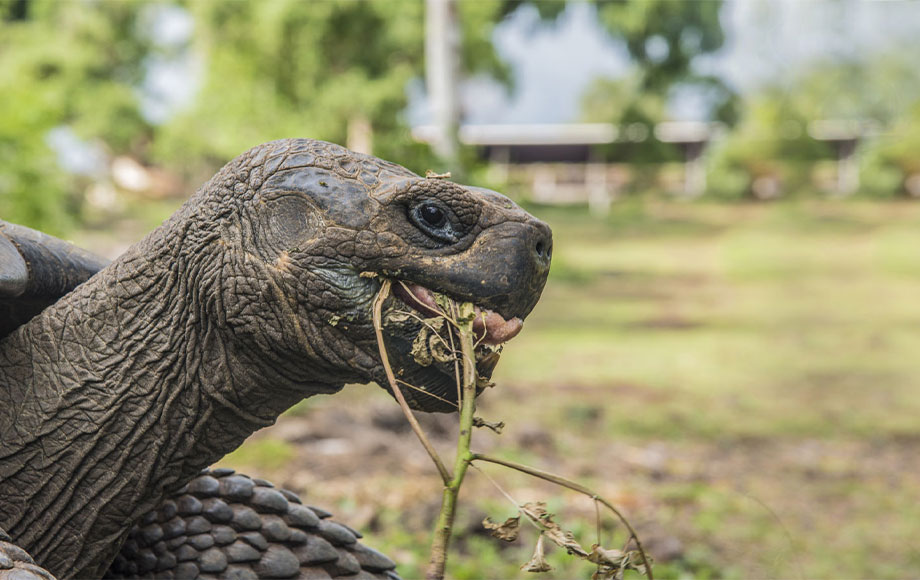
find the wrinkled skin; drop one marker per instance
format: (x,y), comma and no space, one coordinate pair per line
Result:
(250,298)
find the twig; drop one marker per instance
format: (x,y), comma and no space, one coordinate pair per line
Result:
(444,525)
(558,480)
(397,393)
(597,525)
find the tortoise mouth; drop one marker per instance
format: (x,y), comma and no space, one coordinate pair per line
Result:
(489,327)
(424,347)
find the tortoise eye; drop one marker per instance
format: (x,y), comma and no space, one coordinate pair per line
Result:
(432,215)
(435,221)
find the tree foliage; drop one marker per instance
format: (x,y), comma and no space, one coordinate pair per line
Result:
(289,68)
(663,39)
(63,64)
(285,68)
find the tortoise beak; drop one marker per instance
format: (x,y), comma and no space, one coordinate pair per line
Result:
(504,270)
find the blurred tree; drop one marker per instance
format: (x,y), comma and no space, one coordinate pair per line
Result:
(878,86)
(770,151)
(63,64)
(290,68)
(663,38)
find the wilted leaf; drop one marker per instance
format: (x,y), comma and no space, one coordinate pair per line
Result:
(507,531)
(536,511)
(613,563)
(538,561)
(420,351)
(439,349)
(600,555)
(635,562)
(442,301)
(398,317)
(426,337)
(605,573)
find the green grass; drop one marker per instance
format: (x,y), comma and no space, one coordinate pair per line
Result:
(773,319)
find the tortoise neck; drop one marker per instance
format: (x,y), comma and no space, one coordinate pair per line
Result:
(119,394)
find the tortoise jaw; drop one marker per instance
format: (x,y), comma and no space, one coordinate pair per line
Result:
(489,327)
(422,351)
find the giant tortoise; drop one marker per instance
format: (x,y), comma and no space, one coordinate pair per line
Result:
(121,383)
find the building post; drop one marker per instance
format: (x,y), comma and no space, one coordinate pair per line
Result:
(442,64)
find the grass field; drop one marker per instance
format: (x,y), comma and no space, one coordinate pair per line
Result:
(743,380)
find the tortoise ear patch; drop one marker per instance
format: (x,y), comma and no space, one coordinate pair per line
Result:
(284,225)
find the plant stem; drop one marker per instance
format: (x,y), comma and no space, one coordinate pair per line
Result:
(558,480)
(397,393)
(444,526)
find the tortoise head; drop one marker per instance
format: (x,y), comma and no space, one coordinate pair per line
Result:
(319,228)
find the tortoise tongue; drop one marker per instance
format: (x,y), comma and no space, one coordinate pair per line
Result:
(493,329)
(490,327)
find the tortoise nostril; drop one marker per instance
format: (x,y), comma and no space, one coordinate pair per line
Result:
(543,249)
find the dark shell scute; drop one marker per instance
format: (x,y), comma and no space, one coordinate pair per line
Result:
(204,486)
(277,562)
(213,560)
(246,518)
(338,534)
(269,500)
(237,487)
(188,505)
(302,516)
(216,510)
(240,551)
(256,540)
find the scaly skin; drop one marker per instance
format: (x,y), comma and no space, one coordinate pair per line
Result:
(247,300)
